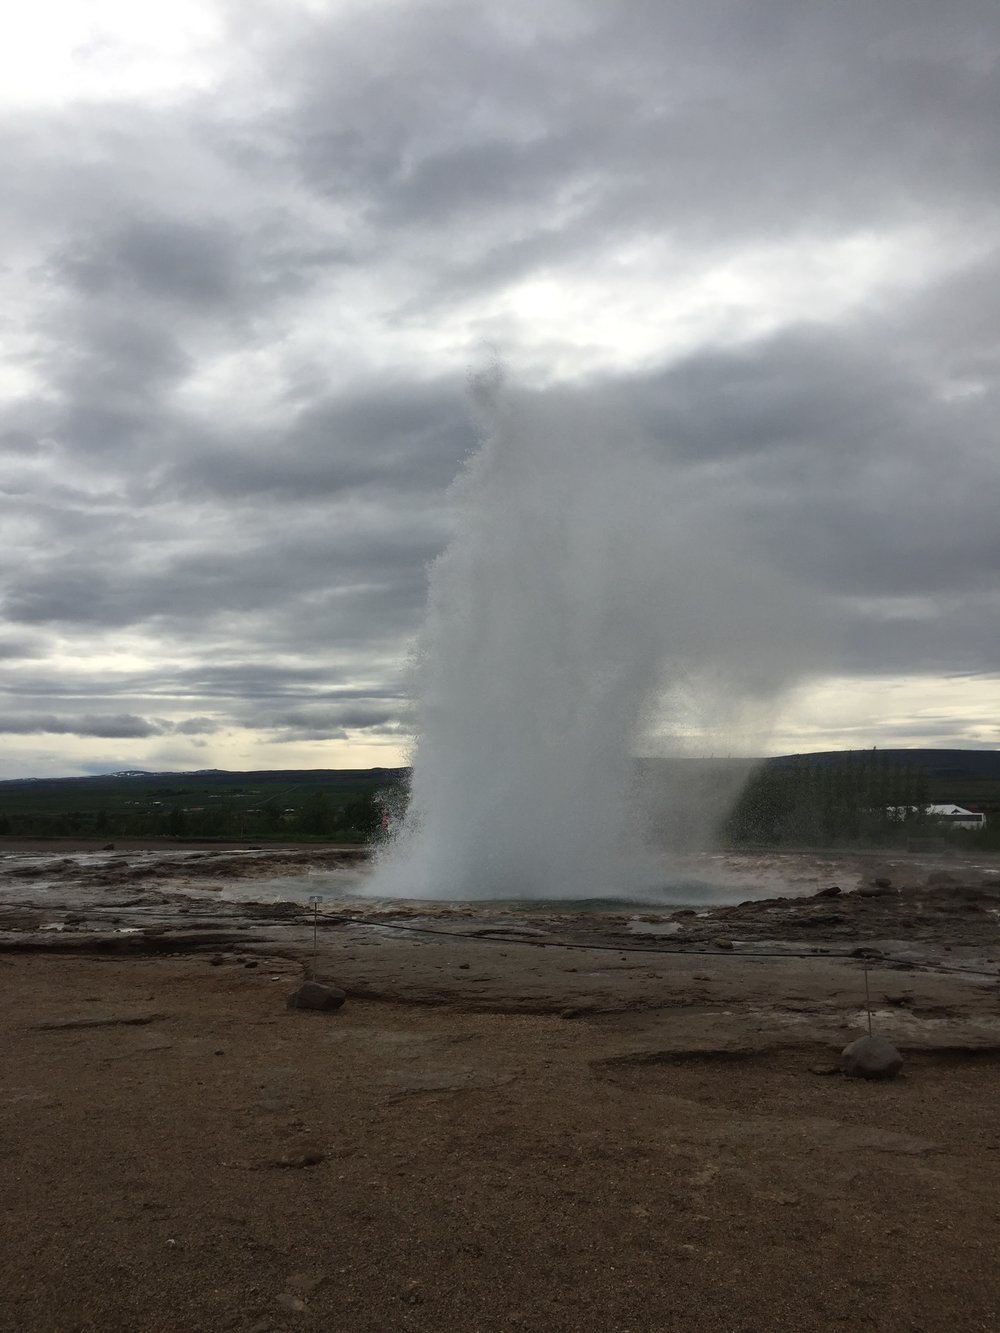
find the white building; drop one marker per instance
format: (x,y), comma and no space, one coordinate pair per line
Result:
(955,816)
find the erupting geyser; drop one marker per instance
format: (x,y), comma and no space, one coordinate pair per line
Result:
(573,586)
(534,663)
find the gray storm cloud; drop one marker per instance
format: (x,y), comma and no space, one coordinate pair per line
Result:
(240,320)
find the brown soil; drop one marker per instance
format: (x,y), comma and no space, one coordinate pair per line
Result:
(663,1157)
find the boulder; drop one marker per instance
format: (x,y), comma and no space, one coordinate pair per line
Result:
(314,995)
(831,892)
(871,1057)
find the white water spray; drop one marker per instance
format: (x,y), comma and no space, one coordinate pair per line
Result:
(568,585)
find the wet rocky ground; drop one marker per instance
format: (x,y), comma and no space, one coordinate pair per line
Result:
(908,911)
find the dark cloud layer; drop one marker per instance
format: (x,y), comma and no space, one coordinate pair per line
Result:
(120,726)
(241,318)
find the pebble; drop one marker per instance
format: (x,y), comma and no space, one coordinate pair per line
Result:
(723,944)
(313,995)
(299,1157)
(412,1293)
(304,1284)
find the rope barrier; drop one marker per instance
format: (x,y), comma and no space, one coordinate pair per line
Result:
(814,953)
(725,954)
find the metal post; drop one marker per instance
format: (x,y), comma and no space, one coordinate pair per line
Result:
(315,903)
(868,999)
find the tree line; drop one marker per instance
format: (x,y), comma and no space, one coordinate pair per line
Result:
(315,816)
(864,799)
(807,803)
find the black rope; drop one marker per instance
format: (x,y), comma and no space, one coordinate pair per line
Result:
(654,949)
(478,937)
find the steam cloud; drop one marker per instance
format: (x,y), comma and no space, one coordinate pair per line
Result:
(593,594)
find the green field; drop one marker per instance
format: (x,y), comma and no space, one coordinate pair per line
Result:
(268,806)
(792,800)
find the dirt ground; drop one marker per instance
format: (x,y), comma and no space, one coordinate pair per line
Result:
(686,1166)
(628,1122)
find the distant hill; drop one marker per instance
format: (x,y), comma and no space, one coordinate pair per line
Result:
(964,765)
(970,778)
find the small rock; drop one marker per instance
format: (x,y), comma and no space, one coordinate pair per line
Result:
(314,995)
(941,877)
(299,1157)
(463,967)
(831,892)
(824,1071)
(252,963)
(882,883)
(304,1284)
(871,1057)
(216,960)
(289,1302)
(875,890)
(723,944)
(108,847)
(412,1293)
(865,951)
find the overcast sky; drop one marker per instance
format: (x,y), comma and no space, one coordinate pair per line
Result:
(251,252)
